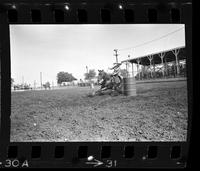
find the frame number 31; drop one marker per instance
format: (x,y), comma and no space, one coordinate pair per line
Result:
(111,163)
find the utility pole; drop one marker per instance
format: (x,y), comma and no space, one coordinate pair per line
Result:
(34,84)
(87,69)
(41,79)
(116,55)
(52,84)
(86,73)
(22,80)
(128,66)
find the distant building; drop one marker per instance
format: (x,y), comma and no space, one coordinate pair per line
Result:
(72,83)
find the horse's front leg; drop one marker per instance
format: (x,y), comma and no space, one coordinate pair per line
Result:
(100,90)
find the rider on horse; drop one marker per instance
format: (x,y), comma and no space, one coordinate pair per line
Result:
(116,77)
(110,81)
(116,69)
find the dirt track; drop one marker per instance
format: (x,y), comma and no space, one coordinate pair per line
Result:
(158,113)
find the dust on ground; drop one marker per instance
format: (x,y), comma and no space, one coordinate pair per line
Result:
(158,113)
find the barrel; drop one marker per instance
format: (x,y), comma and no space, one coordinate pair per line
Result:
(129,86)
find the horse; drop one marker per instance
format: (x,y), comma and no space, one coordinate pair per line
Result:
(109,81)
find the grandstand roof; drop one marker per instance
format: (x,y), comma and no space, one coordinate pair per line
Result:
(169,57)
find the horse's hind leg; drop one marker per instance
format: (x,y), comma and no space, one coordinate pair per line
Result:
(116,90)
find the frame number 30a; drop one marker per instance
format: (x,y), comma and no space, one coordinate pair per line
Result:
(111,163)
(16,163)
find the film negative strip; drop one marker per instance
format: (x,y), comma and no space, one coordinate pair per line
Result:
(73,114)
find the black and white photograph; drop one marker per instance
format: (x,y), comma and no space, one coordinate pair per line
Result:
(98,83)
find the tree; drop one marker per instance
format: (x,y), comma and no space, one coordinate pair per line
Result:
(47,85)
(65,77)
(91,74)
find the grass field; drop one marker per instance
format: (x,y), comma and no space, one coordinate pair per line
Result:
(158,113)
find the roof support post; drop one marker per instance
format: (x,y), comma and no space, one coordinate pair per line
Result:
(154,69)
(176,52)
(132,69)
(127,69)
(138,62)
(162,55)
(150,57)
(142,70)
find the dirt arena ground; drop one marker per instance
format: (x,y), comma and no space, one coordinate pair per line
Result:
(158,113)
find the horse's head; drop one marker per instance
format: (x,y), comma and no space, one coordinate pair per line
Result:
(101,76)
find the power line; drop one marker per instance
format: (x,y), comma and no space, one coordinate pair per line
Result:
(153,39)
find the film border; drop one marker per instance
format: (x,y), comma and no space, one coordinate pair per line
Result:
(23,151)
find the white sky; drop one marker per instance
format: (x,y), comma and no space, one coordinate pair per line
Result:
(53,48)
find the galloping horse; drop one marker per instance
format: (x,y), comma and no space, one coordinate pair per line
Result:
(109,81)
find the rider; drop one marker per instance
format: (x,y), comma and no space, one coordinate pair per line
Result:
(116,69)
(116,73)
